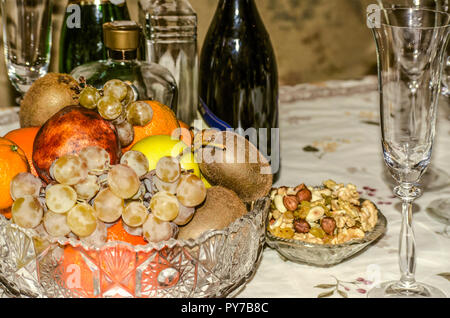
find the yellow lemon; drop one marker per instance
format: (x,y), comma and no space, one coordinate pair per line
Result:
(158,146)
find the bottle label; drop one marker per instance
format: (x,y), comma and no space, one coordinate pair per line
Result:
(210,118)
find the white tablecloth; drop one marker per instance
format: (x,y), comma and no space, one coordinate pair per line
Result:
(340,121)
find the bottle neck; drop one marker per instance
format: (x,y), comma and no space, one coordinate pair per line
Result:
(238,6)
(237,14)
(121,55)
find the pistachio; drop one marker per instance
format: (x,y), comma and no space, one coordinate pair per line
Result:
(290,202)
(315,213)
(278,201)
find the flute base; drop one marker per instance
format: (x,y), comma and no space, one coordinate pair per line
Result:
(396,289)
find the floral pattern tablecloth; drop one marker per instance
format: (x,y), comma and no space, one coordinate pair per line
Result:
(331,130)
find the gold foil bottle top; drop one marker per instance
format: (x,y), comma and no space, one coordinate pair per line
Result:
(121,35)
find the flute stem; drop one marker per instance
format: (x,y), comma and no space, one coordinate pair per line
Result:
(407,244)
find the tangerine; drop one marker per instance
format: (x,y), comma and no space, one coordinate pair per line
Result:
(24,138)
(118,233)
(6,213)
(12,162)
(164,122)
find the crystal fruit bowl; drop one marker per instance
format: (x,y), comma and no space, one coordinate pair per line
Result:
(214,265)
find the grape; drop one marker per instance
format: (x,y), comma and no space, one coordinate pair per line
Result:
(89,97)
(165,186)
(184,215)
(131,96)
(164,206)
(97,159)
(136,231)
(137,161)
(135,214)
(116,88)
(60,198)
(168,169)
(98,237)
(56,224)
(123,181)
(27,212)
(191,190)
(175,230)
(140,194)
(139,113)
(125,131)
(108,206)
(25,184)
(81,219)
(87,188)
(155,230)
(109,107)
(69,169)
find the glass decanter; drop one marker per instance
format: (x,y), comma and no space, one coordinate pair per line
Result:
(150,81)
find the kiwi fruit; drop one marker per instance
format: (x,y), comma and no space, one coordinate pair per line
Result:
(221,208)
(48,95)
(230,160)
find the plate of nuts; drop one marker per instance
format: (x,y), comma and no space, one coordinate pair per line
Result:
(322,225)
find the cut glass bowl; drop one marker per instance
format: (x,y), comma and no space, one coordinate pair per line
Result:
(214,265)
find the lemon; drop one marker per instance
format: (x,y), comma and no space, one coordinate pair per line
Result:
(205,182)
(158,146)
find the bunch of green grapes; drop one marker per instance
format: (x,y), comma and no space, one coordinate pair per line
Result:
(116,102)
(88,194)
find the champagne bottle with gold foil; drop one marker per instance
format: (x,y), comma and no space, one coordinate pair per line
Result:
(81,34)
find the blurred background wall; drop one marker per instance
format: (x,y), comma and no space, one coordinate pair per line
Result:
(314,40)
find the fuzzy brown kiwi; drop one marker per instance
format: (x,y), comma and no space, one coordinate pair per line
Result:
(229,160)
(48,95)
(221,208)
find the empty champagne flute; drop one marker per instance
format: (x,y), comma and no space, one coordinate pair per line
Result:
(27,40)
(411,47)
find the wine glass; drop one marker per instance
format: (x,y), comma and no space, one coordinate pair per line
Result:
(411,45)
(27,40)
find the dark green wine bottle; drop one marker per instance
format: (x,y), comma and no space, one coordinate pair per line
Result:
(82,34)
(238,85)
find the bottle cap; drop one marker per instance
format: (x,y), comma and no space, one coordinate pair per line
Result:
(121,35)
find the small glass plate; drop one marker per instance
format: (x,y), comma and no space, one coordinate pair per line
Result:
(324,254)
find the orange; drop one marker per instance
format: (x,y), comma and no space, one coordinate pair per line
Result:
(118,233)
(12,162)
(6,213)
(164,122)
(24,138)
(75,272)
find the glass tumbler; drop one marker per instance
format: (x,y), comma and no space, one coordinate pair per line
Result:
(27,37)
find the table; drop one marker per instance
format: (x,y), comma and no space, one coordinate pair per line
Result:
(331,130)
